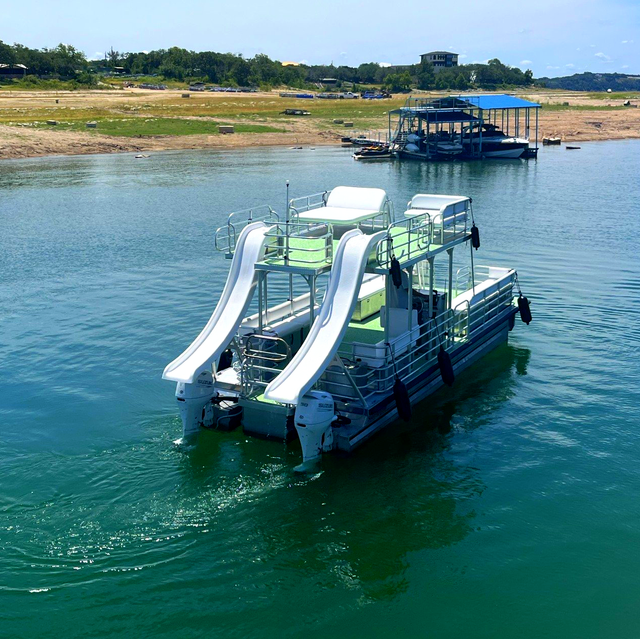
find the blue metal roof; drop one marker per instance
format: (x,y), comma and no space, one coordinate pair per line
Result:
(497,101)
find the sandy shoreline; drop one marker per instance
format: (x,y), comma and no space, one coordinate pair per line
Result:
(16,143)
(572,125)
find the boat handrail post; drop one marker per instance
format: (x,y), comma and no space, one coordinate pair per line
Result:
(260,324)
(450,291)
(473,272)
(286,228)
(350,379)
(431,260)
(410,298)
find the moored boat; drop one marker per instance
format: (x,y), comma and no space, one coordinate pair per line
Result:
(373,152)
(493,143)
(403,311)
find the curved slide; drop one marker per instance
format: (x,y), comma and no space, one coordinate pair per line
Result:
(230,310)
(326,334)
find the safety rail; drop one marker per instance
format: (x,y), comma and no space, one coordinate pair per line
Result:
(306,244)
(414,351)
(261,362)
(369,137)
(406,240)
(463,278)
(226,236)
(308,202)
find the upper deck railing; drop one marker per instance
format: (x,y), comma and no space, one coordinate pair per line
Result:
(226,236)
(299,243)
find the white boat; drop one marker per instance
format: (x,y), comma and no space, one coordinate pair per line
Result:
(403,311)
(495,144)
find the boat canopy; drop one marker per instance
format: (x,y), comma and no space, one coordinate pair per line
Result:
(496,101)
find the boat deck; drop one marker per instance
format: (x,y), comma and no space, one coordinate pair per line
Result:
(315,254)
(368,331)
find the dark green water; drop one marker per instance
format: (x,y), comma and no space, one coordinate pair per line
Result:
(508,507)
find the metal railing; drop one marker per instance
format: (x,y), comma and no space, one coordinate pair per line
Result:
(226,236)
(406,240)
(261,361)
(414,351)
(308,202)
(301,243)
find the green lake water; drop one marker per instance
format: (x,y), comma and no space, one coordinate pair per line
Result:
(508,507)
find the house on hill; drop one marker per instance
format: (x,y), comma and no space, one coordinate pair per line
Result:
(440,59)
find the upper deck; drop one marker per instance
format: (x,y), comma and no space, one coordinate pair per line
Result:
(304,239)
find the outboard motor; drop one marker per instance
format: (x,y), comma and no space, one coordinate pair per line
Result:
(194,401)
(313,418)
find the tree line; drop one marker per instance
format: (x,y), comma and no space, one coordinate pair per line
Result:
(68,63)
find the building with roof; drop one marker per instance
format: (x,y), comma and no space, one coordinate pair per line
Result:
(440,59)
(12,71)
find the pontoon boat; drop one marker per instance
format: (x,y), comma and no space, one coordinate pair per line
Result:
(336,318)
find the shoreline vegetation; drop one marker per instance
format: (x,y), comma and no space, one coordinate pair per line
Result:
(54,101)
(40,123)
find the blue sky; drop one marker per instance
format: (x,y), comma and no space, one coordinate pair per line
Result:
(552,37)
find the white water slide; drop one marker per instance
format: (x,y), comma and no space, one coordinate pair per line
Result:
(323,341)
(230,310)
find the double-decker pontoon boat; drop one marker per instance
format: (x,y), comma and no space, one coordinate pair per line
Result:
(336,317)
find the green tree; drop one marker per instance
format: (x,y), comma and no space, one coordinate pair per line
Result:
(426,76)
(398,81)
(367,72)
(461,82)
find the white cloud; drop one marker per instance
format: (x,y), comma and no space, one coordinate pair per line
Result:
(602,56)
(570,66)
(593,46)
(304,62)
(552,68)
(462,56)
(624,66)
(525,61)
(385,64)
(578,49)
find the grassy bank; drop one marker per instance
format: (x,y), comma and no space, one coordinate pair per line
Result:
(130,113)
(140,127)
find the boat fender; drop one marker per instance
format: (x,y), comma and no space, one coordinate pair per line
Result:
(396,272)
(525,311)
(403,403)
(226,359)
(475,236)
(446,367)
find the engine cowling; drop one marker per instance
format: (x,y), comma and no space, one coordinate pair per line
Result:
(315,413)
(194,401)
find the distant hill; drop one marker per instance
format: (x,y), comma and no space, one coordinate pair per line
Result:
(593,82)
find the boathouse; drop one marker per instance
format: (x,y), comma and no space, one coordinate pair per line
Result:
(465,126)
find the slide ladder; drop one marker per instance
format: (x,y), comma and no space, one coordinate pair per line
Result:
(230,310)
(325,336)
